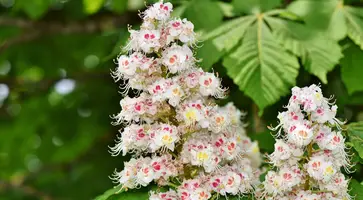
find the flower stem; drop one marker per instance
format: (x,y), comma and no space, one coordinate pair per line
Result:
(173,185)
(214,196)
(309,150)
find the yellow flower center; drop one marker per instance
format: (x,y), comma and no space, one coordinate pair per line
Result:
(176,92)
(167,139)
(191,115)
(202,156)
(329,170)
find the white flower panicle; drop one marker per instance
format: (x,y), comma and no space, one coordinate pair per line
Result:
(309,151)
(179,136)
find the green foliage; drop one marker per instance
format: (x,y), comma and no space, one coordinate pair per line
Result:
(255,6)
(119,6)
(92,6)
(318,54)
(114,191)
(336,19)
(34,9)
(202,16)
(56,144)
(260,67)
(356,189)
(261,59)
(355,133)
(351,68)
(314,43)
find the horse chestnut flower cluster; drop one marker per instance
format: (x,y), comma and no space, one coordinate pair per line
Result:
(179,137)
(309,150)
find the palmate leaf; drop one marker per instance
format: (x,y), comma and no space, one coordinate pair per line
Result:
(319,53)
(261,67)
(258,50)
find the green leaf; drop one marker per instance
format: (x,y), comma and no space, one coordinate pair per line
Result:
(227,9)
(92,6)
(255,6)
(265,141)
(119,6)
(204,14)
(261,67)
(109,193)
(330,19)
(134,194)
(231,38)
(355,133)
(222,39)
(227,26)
(35,9)
(354,19)
(204,53)
(337,28)
(351,69)
(319,53)
(179,11)
(356,189)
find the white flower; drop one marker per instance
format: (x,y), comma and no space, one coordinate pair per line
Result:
(145,175)
(182,30)
(232,182)
(158,89)
(148,40)
(178,58)
(159,11)
(209,84)
(320,169)
(300,134)
(169,195)
(175,93)
(166,136)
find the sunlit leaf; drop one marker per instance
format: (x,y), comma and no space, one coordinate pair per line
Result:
(221,40)
(327,16)
(92,6)
(319,53)
(354,18)
(261,67)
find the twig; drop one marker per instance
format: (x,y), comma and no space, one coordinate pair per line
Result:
(32,30)
(28,190)
(257,121)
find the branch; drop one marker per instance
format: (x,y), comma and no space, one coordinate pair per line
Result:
(32,30)
(258,123)
(28,190)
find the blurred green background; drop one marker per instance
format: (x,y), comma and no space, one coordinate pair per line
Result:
(56,93)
